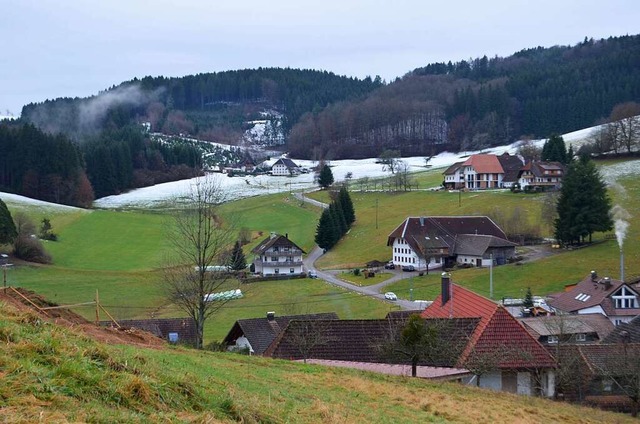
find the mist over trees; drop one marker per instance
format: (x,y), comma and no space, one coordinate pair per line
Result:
(42,166)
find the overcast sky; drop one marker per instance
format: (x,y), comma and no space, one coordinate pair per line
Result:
(73,48)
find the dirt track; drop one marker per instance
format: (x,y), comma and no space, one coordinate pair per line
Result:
(65,317)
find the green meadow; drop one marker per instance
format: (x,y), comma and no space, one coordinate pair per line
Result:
(120,254)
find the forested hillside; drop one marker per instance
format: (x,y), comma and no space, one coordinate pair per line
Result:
(480,102)
(211,106)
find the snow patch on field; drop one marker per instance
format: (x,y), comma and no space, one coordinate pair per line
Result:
(18,202)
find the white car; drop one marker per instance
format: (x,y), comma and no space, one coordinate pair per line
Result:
(390,296)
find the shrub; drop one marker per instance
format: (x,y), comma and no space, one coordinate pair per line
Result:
(356,271)
(30,249)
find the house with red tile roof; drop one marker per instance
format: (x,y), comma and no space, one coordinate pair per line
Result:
(483,171)
(500,351)
(436,241)
(612,298)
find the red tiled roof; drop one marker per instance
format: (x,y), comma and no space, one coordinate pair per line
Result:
(497,332)
(485,164)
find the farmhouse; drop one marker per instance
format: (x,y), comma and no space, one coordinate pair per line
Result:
(277,255)
(612,298)
(483,171)
(540,176)
(503,353)
(437,241)
(256,334)
(552,330)
(285,167)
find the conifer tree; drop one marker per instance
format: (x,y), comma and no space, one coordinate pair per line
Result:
(326,231)
(583,207)
(325,179)
(238,260)
(347,206)
(8,232)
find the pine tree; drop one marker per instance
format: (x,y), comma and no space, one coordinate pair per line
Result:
(554,150)
(8,232)
(347,206)
(528,299)
(338,218)
(583,207)
(326,231)
(325,179)
(238,260)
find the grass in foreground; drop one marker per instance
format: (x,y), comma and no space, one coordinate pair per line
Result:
(54,374)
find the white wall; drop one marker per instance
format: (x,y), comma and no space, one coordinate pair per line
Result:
(525,383)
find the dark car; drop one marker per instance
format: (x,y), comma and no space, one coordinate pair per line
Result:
(408,268)
(389,265)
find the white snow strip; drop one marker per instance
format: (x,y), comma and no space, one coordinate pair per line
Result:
(17,200)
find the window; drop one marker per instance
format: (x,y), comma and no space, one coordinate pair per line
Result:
(275,248)
(625,298)
(581,337)
(552,339)
(277,270)
(437,259)
(274,258)
(291,270)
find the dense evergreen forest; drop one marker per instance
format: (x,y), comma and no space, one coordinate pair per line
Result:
(476,103)
(42,166)
(55,169)
(210,106)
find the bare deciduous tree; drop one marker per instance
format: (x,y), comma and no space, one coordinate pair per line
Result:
(199,240)
(306,335)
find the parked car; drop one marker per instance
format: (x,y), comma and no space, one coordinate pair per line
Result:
(312,274)
(408,268)
(389,265)
(390,296)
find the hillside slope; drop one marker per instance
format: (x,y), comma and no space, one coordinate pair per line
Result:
(55,374)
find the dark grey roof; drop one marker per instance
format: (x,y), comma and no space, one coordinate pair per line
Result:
(511,166)
(275,240)
(568,325)
(453,168)
(161,327)
(477,244)
(628,332)
(261,331)
(369,340)
(286,162)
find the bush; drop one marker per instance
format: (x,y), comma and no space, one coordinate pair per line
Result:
(30,249)
(356,271)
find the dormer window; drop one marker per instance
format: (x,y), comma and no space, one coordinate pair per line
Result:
(625,299)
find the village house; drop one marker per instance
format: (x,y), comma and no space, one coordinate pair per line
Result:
(437,241)
(504,355)
(614,299)
(541,176)
(278,256)
(483,171)
(256,334)
(552,330)
(172,330)
(363,344)
(285,167)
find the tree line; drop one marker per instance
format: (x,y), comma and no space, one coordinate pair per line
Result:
(335,220)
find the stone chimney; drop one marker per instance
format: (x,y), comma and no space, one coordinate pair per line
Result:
(594,276)
(271,316)
(446,288)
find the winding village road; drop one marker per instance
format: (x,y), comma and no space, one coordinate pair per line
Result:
(330,276)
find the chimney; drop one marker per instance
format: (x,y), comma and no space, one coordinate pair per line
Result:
(273,235)
(271,316)
(607,282)
(446,288)
(422,221)
(286,235)
(594,276)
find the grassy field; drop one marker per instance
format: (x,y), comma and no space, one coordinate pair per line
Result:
(119,253)
(361,280)
(56,374)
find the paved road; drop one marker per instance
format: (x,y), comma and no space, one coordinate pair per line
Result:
(373,291)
